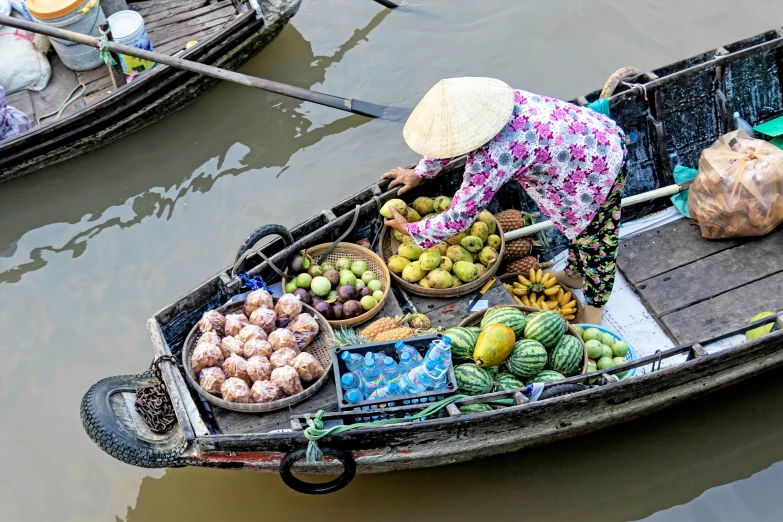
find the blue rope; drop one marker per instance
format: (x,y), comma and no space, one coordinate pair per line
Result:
(254,283)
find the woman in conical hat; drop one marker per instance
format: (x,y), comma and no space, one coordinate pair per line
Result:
(569,159)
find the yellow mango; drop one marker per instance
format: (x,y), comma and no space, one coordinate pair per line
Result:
(494,345)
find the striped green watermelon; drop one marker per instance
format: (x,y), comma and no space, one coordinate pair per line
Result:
(547,327)
(472,379)
(547,376)
(567,357)
(506,381)
(474,329)
(493,370)
(510,316)
(527,359)
(462,342)
(474,408)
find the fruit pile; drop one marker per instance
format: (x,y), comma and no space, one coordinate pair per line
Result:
(384,329)
(462,259)
(541,290)
(344,290)
(258,355)
(511,350)
(604,350)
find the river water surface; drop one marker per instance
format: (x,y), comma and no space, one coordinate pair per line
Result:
(91,248)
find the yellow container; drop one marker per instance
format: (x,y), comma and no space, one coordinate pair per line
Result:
(127,27)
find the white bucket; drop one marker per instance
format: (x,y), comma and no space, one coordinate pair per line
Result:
(127,27)
(85,19)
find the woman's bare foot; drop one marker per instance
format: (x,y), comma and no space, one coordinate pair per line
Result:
(593,315)
(566,280)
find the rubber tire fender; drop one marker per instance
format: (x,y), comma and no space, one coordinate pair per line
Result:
(349,471)
(559,390)
(260,233)
(111,436)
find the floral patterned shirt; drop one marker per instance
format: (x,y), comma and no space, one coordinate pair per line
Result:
(566,157)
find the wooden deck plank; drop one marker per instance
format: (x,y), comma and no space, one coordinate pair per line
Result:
(224,8)
(86,77)
(173,46)
(152,3)
(433,308)
(62,82)
(725,312)
(161,38)
(666,248)
(238,422)
(713,275)
(150,13)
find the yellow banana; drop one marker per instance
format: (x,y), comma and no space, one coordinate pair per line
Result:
(546,277)
(570,317)
(517,300)
(519,291)
(567,311)
(552,283)
(532,275)
(516,285)
(525,281)
(563,299)
(559,293)
(551,291)
(570,304)
(541,301)
(525,300)
(539,274)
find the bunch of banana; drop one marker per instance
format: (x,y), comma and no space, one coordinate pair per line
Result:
(540,290)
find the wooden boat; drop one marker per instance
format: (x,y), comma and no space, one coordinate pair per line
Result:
(228,32)
(686,107)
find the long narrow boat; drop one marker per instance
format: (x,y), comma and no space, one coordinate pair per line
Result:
(228,32)
(681,110)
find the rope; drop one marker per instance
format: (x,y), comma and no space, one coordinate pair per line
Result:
(343,236)
(254,283)
(72,97)
(315,426)
(637,86)
(103,48)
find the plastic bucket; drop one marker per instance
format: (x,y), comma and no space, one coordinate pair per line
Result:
(81,17)
(127,27)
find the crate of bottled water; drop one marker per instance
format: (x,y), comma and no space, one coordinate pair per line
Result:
(417,370)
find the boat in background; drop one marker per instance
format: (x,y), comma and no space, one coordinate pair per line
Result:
(228,32)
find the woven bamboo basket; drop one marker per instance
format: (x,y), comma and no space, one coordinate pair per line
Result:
(475,320)
(388,248)
(374,263)
(510,278)
(320,348)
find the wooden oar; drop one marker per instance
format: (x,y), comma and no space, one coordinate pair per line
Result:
(371,110)
(626,202)
(387,3)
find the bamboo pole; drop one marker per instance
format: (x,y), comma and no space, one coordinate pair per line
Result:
(626,202)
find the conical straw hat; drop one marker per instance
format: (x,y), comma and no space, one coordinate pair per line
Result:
(458,115)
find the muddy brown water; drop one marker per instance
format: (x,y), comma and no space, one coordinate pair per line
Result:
(91,248)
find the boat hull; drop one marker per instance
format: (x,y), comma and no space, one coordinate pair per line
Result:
(452,440)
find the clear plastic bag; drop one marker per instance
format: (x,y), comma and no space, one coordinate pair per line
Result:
(255,300)
(265,391)
(257,347)
(308,367)
(212,379)
(236,366)
(282,338)
(235,390)
(259,368)
(287,380)
(252,331)
(305,329)
(235,323)
(739,189)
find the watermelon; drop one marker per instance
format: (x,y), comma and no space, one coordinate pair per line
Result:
(547,327)
(506,381)
(547,376)
(527,359)
(511,317)
(475,329)
(472,379)
(567,357)
(462,342)
(474,408)
(493,370)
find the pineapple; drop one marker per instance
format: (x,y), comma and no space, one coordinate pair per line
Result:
(513,219)
(403,332)
(348,337)
(523,266)
(518,249)
(380,326)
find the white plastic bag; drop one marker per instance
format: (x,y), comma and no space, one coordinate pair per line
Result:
(21,65)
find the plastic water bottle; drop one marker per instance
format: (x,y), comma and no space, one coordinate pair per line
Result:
(379,358)
(372,375)
(406,363)
(351,381)
(353,361)
(390,390)
(401,348)
(353,396)
(440,354)
(390,370)
(740,123)
(419,379)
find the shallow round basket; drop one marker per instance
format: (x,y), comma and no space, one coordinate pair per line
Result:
(374,263)
(510,278)
(631,356)
(475,320)
(320,348)
(389,245)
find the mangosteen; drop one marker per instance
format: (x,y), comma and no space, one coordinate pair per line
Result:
(347,293)
(315,270)
(303,295)
(352,309)
(364,292)
(337,311)
(299,263)
(283,322)
(364,242)
(317,300)
(333,276)
(324,309)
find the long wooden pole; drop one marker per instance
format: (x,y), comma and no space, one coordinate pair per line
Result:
(626,202)
(371,110)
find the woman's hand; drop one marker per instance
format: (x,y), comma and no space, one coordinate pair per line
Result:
(405,177)
(398,223)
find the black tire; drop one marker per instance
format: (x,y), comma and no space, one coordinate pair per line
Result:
(116,439)
(349,466)
(262,232)
(560,389)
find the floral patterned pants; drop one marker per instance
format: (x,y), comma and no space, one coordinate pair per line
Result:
(592,254)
